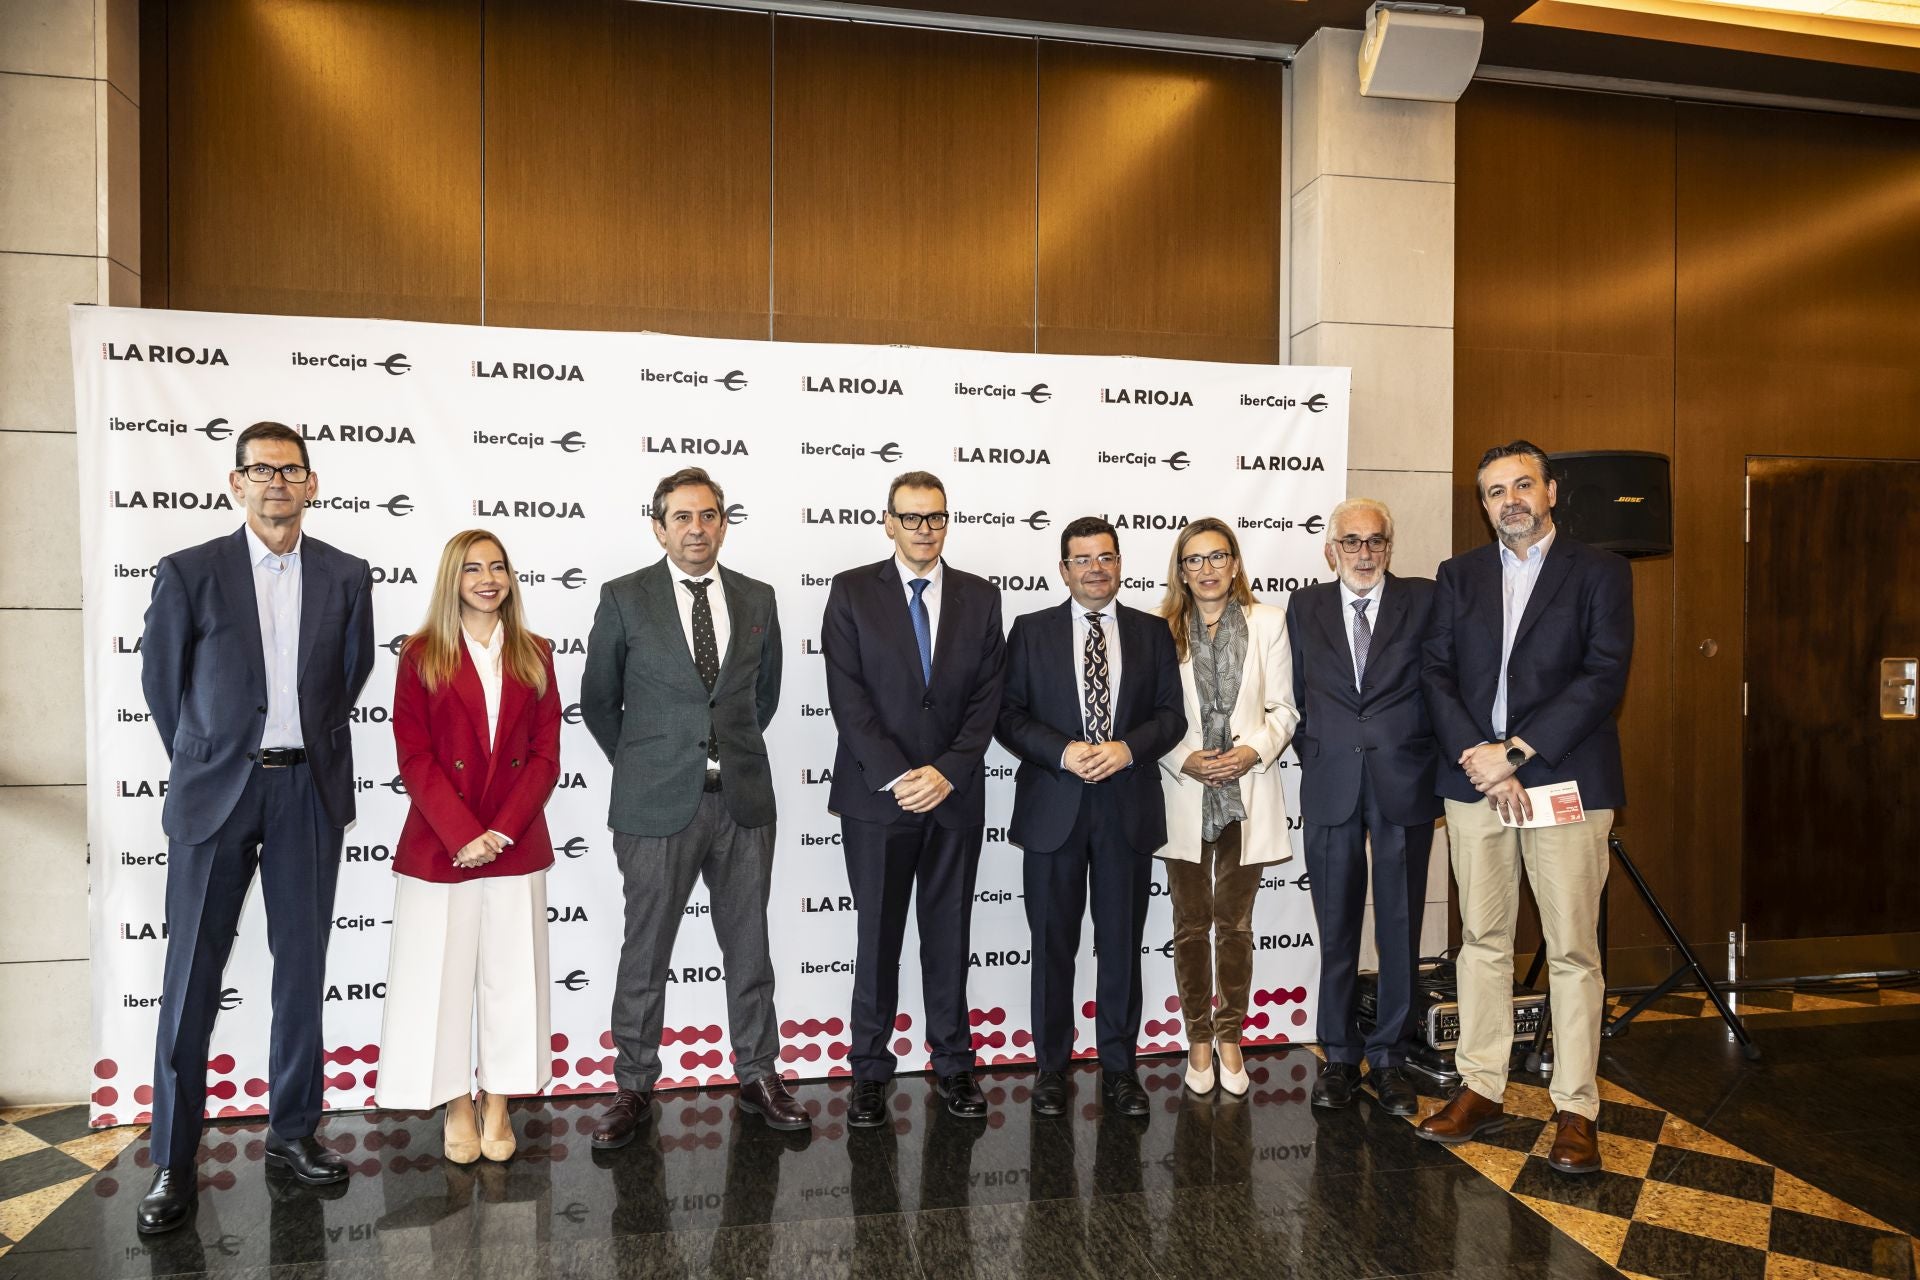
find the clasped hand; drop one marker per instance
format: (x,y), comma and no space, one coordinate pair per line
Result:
(478,853)
(921,790)
(1096,762)
(1216,768)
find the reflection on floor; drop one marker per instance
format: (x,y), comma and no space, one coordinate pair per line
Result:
(1204,1187)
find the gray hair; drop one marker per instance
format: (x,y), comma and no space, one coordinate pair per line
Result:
(1359,504)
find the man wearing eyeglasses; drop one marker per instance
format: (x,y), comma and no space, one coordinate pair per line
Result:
(1092,702)
(915,658)
(256,645)
(1367,768)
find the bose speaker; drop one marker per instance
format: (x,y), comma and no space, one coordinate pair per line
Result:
(1618,500)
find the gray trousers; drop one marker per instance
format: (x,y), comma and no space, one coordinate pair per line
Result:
(737,864)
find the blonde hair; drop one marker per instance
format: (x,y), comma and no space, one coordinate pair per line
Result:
(437,645)
(1178,605)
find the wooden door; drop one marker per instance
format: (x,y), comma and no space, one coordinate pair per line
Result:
(1832,795)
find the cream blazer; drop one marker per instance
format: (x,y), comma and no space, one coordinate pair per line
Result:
(1263,719)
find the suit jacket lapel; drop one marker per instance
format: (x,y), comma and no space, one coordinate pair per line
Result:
(952,596)
(1059,637)
(514,697)
(737,626)
(312,588)
(236,587)
(1491,592)
(466,684)
(896,614)
(1333,620)
(1554,569)
(1392,609)
(1130,625)
(660,584)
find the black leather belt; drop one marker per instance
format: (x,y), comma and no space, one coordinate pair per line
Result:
(282,757)
(713,780)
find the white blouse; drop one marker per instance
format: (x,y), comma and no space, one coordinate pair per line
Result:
(486,660)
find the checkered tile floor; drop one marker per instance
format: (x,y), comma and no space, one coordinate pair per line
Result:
(1760,1004)
(1673,1200)
(47,1154)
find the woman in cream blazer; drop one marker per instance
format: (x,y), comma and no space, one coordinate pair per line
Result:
(1226,814)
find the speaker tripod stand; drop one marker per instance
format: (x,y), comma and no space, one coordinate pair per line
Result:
(1612,1028)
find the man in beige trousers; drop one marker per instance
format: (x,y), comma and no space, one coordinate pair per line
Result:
(1526,660)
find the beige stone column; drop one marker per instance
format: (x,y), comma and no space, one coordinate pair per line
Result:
(69,232)
(1371,275)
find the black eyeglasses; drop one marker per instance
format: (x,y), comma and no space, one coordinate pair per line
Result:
(1106,560)
(1193,562)
(1352,543)
(292,473)
(914,519)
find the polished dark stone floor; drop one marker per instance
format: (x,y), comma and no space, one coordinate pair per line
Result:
(1205,1187)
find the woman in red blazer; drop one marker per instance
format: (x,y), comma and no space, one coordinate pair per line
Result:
(476,727)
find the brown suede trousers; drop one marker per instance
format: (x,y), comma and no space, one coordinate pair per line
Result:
(1213,934)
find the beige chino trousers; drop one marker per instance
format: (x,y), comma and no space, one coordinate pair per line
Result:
(1567,866)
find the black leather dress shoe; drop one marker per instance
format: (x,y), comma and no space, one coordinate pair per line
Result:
(1050,1093)
(868,1110)
(1124,1092)
(1334,1089)
(631,1109)
(306,1159)
(962,1094)
(1395,1091)
(169,1201)
(768,1098)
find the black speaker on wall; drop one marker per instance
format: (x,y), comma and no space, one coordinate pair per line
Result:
(1616,499)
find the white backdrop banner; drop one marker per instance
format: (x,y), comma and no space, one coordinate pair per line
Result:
(554,440)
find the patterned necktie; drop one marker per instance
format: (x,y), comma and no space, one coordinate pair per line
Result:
(706,650)
(1362,640)
(1099,696)
(922,627)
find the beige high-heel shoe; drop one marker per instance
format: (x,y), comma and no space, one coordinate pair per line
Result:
(496,1146)
(1200,1081)
(1238,1082)
(460,1148)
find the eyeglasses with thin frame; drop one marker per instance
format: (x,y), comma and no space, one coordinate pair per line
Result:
(914,519)
(1106,560)
(263,473)
(1217,559)
(1352,543)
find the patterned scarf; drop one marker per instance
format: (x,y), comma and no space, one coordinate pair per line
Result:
(1217,664)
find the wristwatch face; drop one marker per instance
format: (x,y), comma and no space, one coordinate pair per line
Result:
(1516,756)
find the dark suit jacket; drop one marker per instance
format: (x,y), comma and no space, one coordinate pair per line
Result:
(890,719)
(460,785)
(205,676)
(642,698)
(1040,714)
(1567,674)
(1380,729)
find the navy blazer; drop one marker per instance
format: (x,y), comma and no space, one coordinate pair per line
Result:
(1381,729)
(889,718)
(1567,674)
(1040,714)
(205,676)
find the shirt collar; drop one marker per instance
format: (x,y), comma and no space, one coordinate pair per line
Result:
(907,575)
(1348,595)
(260,552)
(1110,611)
(681,579)
(1535,553)
(494,643)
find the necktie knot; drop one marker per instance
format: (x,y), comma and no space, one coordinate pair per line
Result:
(1094,618)
(1360,608)
(697,585)
(920,586)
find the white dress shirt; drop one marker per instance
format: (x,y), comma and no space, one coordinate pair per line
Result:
(1347,600)
(486,661)
(276,594)
(722,623)
(1110,624)
(1517,578)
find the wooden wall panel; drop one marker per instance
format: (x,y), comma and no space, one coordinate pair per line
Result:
(324,158)
(903,186)
(1563,335)
(1798,320)
(1160,204)
(628,150)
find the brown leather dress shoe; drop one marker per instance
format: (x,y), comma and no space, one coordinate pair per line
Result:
(1464,1118)
(1576,1148)
(768,1098)
(631,1108)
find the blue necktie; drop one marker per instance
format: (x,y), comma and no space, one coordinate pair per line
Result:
(922,628)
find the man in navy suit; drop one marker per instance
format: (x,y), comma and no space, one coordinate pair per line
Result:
(1092,702)
(915,658)
(1526,661)
(255,648)
(1367,764)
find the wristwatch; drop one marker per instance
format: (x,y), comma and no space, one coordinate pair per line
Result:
(1515,756)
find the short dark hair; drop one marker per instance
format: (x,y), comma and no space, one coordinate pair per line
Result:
(1517,449)
(684,478)
(915,480)
(1087,527)
(267,431)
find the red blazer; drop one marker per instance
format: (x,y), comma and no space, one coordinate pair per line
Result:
(458,788)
